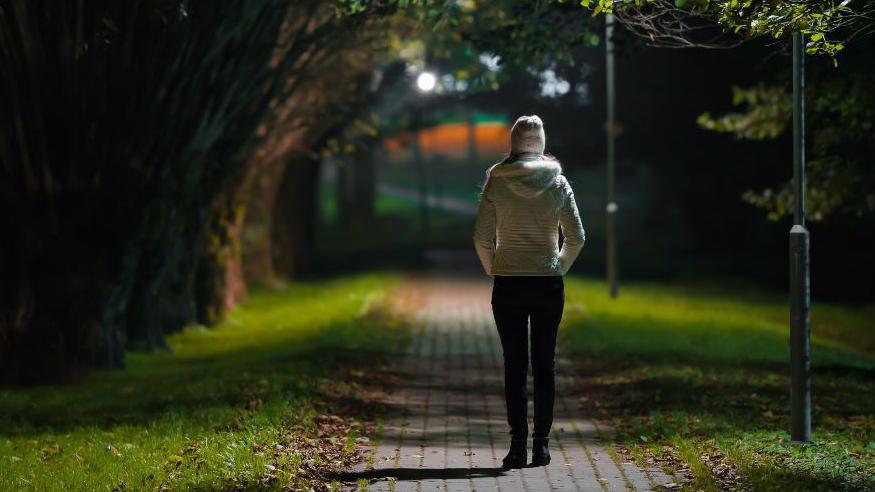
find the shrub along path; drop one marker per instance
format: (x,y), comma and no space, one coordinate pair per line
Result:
(447,429)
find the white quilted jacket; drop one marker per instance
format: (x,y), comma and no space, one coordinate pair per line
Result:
(522,207)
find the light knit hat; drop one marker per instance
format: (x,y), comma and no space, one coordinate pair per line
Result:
(527,135)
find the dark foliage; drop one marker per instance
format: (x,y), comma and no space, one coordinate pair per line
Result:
(122,124)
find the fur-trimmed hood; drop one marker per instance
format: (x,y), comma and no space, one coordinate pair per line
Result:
(525,177)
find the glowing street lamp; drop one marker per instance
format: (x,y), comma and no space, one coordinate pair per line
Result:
(426,81)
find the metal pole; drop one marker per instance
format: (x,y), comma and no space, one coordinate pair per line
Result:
(611,207)
(472,138)
(419,161)
(800,300)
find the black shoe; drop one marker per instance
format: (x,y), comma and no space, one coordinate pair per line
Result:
(540,453)
(516,457)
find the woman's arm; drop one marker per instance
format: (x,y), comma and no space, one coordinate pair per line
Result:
(572,229)
(484,231)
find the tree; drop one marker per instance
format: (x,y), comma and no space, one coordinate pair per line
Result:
(725,23)
(841,177)
(125,127)
(126,146)
(122,124)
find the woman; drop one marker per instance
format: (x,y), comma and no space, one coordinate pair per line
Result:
(524,202)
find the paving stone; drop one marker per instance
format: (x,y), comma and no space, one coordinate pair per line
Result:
(449,432)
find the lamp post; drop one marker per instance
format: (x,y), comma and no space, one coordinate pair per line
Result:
(800,299)
(425,82)
(611,206)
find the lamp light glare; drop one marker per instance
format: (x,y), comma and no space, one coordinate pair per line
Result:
(426,81)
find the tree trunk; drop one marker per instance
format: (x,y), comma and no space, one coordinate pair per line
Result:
(255,240)
(366,184)
(356,188)
(218,281)
(52,287)
(294,216)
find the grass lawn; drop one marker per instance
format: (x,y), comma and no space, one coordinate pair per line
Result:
(257,401)
(697,376)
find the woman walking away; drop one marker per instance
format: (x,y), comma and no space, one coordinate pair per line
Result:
(524,203)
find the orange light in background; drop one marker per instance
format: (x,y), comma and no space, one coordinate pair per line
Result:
(396,143)
(451,140)
(492,138)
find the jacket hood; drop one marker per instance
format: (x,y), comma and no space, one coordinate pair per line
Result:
(528,178)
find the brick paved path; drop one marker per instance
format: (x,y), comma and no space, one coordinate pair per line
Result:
(449,432)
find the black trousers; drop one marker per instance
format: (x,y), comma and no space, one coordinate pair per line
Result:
(517,300)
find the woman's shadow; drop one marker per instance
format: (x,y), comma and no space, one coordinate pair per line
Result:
(411,474)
